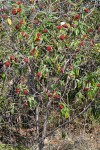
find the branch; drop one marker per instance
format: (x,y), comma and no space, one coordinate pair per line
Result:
(67,122)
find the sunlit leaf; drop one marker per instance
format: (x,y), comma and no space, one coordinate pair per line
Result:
(9,21)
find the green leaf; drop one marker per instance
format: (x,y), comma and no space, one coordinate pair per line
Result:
(3,76)
(76,71)
(67,114)
(77,32)
(63,134)
(62,112)
(53,86)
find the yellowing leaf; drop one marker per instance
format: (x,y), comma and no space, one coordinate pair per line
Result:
(31,1)
(99,50)
(9,21)
(36,54)
(68,25)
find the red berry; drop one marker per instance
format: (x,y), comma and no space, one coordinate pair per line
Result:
(65,25)
(14,11)
(62,37)
(39,34)
(44,31)
(86,10)
(60,106)
(77,16)
(25,104)
(56,96)
(32,52)
(38,74)
(4,16)
(70,67)
(49,94)
(86,89)
(98,85)
(16,27)
(37,39)
(11,57)
(59,27)
(25,91)
(81,43)
(49,48)
(19,2)
(7,64)
(72,25)
(19,10)
(21,22)
(26,60)
(23,33)
(17,90)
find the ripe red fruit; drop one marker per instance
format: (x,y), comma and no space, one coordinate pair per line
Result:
(60,106)
(11,57)
(59,27)
(77,16)
(4,16)
(32,52)
(23,33)
(26,60)
(39,34)
(86,10)
(7,64)
(49,94)
(81,43)
(72,25)
(37,39)
(19,2)
(86,89)
(19,10)
(56,96)
(65,25)
(38,74)
(70,67)
(62,37)
(49,48)
(16,27)
(17,90)
(14,11)
(44,31)
(21,22)
(25,91)
(25,104)
(98,85)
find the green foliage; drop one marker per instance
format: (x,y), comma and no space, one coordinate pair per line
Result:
(49,56)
